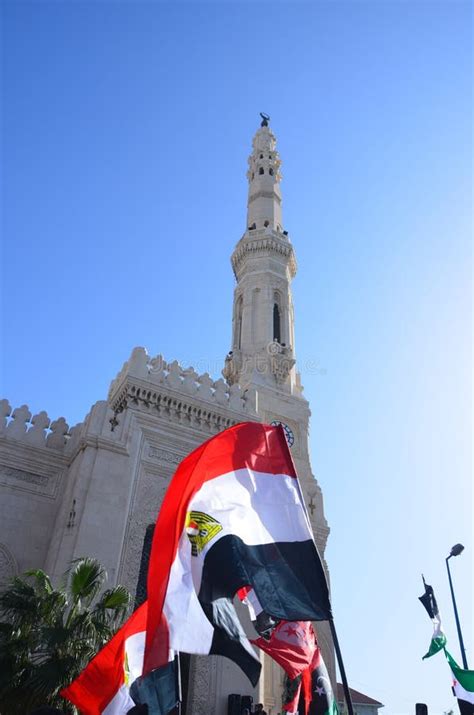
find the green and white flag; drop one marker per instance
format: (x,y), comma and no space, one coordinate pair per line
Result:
(438,639)
(463,686)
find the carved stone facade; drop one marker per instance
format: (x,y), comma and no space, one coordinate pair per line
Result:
(8,567)
(94,489)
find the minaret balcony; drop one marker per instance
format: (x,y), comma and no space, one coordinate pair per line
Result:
(264,241)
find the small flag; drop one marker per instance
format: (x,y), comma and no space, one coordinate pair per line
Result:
(323,701)
(317,691)
(438,639)
(292,645)
(104,686)
(463,686)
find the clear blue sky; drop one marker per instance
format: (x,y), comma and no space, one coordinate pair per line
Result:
(126,130)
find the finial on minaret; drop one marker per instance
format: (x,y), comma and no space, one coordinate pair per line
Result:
(265,119)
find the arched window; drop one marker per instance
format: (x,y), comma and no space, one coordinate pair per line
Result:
(261,156)
(261,170)
(276,323)
(238,325)
(270,171)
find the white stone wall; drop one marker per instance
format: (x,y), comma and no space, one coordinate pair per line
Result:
(33,471)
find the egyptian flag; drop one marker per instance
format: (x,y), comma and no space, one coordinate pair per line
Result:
(438,639)
(463,686)
(233,516)
(106,684)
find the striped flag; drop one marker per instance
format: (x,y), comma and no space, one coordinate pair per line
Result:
(233,516)
(104,687)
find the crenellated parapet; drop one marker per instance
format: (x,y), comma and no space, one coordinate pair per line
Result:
(179,394)
(34,430)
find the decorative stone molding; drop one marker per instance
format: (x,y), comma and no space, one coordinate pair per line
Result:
(98,442)
(276,360)
(74,438)
(36,430)
(5,412)
(178,394)
(264,142)
(202,683)
(148,496)
(232,367)
(44,484)
(263,241)
(164,455)
(282,363)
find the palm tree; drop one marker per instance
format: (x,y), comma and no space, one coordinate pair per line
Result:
(48,635)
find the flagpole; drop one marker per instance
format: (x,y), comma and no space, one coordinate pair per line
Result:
(178,682)
(454,552)
(342,670)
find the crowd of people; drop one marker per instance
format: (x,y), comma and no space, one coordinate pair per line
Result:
(258,710)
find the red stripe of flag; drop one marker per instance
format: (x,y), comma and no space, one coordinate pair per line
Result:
(103,677)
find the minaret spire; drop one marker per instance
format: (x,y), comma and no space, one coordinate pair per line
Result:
(264,202)
(264,265)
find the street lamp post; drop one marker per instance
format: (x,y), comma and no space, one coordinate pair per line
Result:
(455,551)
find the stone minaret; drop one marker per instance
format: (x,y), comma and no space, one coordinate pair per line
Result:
(262,357)
(264,265)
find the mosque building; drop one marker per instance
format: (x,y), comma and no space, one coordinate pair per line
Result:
(95,489)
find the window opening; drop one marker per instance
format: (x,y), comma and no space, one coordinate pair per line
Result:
(276,323)
(239,323)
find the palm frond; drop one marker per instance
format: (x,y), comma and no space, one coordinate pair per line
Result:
(48,635)
(86,579)
(116,599)
(43,582)
(19,601)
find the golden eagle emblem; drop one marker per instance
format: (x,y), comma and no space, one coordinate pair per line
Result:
(200,528)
